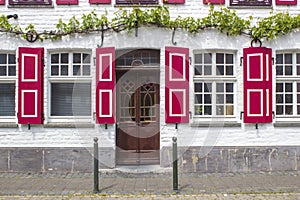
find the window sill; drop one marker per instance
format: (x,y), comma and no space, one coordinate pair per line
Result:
(287,124)
(30,6)
(215,124)
(69,125)
(251,7)
(8,125)
(136,5)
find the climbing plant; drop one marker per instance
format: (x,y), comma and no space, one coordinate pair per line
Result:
(224,20)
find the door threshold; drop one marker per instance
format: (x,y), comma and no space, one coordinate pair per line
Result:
(142,169)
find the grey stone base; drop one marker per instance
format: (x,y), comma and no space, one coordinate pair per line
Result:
(53,159)
(234,159)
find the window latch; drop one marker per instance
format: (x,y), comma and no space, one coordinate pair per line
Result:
(241,115)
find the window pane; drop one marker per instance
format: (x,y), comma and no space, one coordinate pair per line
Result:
(207,99)
(279,98)
(229,109)
(229,87)
(11,70)
(298,98)
(7,99)
(11,58)
(288,110)
(64,58)
(298,70)
(220,87)
(207,58)
(220,58)
(220,99)
(198,87)
(198,99)
(298,110)
(298,58)
(3,59)
(279,59)
(198,110)
(77,58)
(220,70)
(220,110)
(229,58)
(288,98)
(76,70)
(288,58)
(207,70)
(279,110)
(64,70)
(279,87)
(198,70)
(54,58)
(229,98)
(54,70)
(207,87)
(298,87)
(279,70)
(86,58)
(2,70)
(288,70)
(198,58)
(288,87)
(86,70)
(229,70)
(207,110)
(70,99)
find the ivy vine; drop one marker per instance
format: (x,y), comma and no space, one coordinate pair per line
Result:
(224,20)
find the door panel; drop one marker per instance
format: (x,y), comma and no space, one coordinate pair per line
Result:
(137,117)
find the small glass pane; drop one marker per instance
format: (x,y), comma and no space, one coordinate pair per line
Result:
(198,58)
(54,58)
(207,110)
(220,58)
(76,70)
(279,110)
(279,70)
(64,70)
(207,87)
(11,58)
(298,58)
(288,110)
(207,58)
(279,58)
(298,110)
(298,98)
(64,58)
(229,70)
(2,70)
(3,59)
(86,70)
(229,98)
(229,109)
(229,87)
(279,87)
(198,110)
(229,58)
(288,87)
(288,70)
(220,87)
(220,110)
(198,70)
(11,70)
(220,99)
(298,87)
(288,58)
(279,98)
(54,70)
(198,98)
(207,70)
(86,58)
(77,58)
(198,87)
(207,99)
(298,70)
(288,98)
(220,70)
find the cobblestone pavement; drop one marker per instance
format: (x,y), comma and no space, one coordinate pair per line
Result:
(116,185)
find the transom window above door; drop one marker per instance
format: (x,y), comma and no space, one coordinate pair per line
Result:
(137,57)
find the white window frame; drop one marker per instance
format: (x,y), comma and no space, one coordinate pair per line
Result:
(213,78)
(10,79)
(294,79)
(69,79)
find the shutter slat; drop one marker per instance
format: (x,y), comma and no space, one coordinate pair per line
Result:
(177,85)
(257,85)
(105,85)
(30,102)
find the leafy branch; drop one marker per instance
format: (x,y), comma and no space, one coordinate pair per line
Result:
(223,20)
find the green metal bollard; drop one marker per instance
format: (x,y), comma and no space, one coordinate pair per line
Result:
(96,166)
(175,165)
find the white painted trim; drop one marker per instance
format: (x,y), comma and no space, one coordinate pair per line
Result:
(35,67)
(101,67)
(267,103)
(110,103)
(261,67)
(171,102)
(267,67)
(35,103)
(171,67)
(261,102)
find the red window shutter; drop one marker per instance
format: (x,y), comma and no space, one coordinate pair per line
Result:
(177,85)
(105,84)
(2,2)
(286,2)
(174,1)
(213,1)
(30,94)
(67,2)
(257,85)
(99,1)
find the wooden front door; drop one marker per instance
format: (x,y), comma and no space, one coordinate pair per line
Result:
(137,117)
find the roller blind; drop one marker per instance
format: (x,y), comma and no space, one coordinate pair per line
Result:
(7,99)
